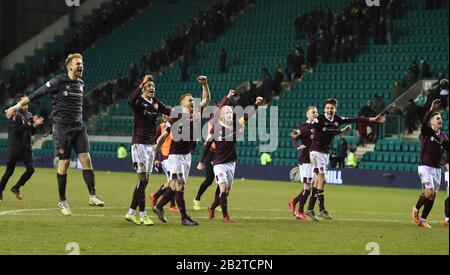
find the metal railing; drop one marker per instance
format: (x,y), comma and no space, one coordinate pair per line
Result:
(392,128)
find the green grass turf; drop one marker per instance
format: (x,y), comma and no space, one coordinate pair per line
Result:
(263,224)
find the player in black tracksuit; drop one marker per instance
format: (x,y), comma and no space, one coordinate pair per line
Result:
(69,130)
(20,131)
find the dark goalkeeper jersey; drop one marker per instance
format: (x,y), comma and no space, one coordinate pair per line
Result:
(67,98)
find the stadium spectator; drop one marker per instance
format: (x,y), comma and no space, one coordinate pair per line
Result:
(379,104)
(266,159)
(381,31)
(351,162)
(415,69)
(425,69)
(3,95)
(389,32)
(341,153)
(122,152)
(299,26)
(223,61)
(184,67)
(409,78)
(290,64)
(420,102)
(411,116)
(299,63)
(133,75)
(432,95)
(396,91)
(333,159)
(366,111)
(267,86)
(433,4)
(277,80)
(443,94)
(311,56)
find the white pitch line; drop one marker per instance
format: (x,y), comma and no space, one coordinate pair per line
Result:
(232,209)
(24,213)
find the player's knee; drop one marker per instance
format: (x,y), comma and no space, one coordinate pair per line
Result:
(180,187)
(428,193)
(166,185)
(63,164)
(142,176)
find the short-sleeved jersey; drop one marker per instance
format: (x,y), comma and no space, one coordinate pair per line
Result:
(146,113)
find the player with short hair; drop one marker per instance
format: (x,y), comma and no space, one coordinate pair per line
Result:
(305,135)
(433,143)
(69,130)
(224,134)
(146,108)
(324,128)
(183,144)
(20,130)
(163,161)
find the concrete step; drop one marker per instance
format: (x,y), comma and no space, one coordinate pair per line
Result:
(360,151)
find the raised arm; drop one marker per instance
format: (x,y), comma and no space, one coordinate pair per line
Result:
(377,119)
(425,129)
(206,94)
(243,120)
(50,86)
(137,92)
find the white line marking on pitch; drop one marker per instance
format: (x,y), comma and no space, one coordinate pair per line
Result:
(23,212)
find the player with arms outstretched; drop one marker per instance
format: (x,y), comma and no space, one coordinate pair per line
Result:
(433,143)
(183,144)
(224,134)
(324,130)
(146,108)
(305,134)
(69,130)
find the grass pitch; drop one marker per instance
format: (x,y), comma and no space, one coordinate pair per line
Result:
(263,224)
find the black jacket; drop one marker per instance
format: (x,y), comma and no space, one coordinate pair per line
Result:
(19,136)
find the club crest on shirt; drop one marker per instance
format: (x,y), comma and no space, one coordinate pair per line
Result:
(65,93)
(156,106)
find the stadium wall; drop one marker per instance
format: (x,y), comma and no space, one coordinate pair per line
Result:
(359,177)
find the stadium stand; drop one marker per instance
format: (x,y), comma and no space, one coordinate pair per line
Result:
(253,42)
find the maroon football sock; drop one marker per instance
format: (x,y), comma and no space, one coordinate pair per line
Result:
(181,204)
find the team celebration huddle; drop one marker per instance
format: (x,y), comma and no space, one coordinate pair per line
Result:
(167,136)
